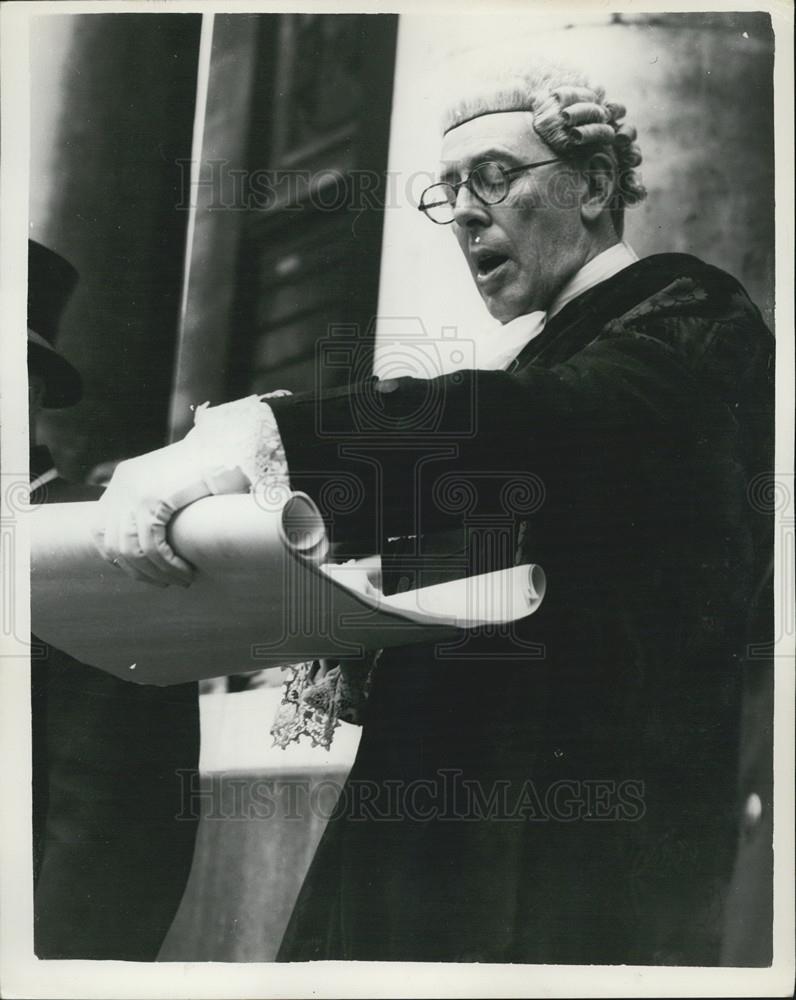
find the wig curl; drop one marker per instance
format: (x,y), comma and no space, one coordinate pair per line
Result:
(570,115)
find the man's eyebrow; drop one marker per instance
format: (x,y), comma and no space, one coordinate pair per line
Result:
(499,153)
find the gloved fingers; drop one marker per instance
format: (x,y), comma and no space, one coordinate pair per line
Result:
(154,546)
(127,539)
(138,539)
(113,545)
(105,530)
(130,553)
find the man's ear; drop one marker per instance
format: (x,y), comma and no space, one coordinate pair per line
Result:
(600,175)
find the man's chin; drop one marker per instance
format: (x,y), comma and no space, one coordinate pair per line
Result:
(506,302)
(503,309)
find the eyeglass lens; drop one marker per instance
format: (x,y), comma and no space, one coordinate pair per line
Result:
(488,181)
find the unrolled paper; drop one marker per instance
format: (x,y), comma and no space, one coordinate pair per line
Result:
(261,596)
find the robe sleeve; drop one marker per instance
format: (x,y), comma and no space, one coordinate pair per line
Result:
(386,446)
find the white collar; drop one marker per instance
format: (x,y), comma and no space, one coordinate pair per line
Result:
(512,337)
(605,265)
(507,341)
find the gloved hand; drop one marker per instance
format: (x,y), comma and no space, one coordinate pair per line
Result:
(231,447)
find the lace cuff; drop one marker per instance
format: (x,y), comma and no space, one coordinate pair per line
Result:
(238,446)
(320,694)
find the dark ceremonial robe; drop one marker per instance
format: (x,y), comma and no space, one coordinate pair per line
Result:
(111,858)
(564,791)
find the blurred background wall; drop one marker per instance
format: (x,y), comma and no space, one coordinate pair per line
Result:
(112,109)
(698,87)
(310,107)
(113,104)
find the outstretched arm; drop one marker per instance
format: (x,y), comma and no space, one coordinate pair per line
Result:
(391,442)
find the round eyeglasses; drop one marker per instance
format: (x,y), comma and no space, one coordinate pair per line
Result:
(489,182)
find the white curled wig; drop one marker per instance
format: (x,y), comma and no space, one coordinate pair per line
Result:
(570,115)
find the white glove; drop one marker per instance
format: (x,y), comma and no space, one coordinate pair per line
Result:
(231,448)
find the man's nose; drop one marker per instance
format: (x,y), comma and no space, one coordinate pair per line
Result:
(468,210)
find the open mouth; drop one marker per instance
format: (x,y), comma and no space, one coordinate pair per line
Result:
(490,262)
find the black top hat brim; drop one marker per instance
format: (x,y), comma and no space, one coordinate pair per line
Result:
(51,281)
(62,382)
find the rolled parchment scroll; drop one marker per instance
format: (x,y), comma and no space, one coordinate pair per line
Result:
(262,596)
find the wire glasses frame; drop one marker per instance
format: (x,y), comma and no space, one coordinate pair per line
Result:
(489,182)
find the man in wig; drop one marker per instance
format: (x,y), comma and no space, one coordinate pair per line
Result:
(563,791)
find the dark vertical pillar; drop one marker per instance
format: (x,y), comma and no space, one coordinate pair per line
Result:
(117,211)
(202,358)
(311,244)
